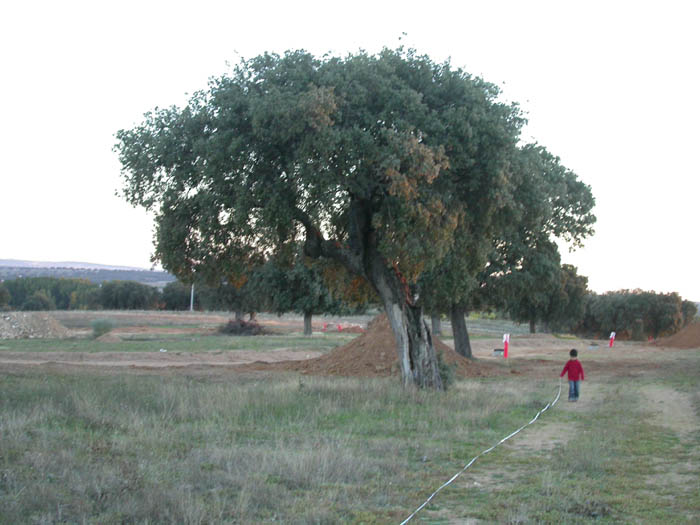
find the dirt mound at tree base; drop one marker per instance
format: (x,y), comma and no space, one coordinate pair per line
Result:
(373,354)
(30,325)
(687,338)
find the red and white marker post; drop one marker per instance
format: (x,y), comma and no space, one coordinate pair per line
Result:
(612,339)
(506,340)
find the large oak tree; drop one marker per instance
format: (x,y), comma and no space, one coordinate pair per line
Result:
(372,161)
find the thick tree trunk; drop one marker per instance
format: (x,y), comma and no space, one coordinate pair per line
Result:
(532,326)
(361,256)
(251,316)
(414,344)
(307,323)
(435,322)
(239,315)
(459,331)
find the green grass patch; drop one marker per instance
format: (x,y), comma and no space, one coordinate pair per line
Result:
(149,449)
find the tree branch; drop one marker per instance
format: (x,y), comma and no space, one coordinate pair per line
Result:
(317,246)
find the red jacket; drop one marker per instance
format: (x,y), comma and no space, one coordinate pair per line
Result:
(573,366)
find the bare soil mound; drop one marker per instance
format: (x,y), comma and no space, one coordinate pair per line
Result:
(373,354)
(30,325)
(689,337)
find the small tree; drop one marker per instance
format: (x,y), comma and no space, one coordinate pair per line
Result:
(294,287)
(530,288)
(568,304)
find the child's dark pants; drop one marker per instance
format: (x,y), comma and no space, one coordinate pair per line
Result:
(573,390)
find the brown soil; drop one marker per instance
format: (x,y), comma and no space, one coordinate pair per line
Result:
(133,330)
(687,338)
(373,354)
(154,361)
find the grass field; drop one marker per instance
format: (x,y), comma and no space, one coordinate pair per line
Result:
(84,447)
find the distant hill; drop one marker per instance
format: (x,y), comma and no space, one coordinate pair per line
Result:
(96,273)
(15,263)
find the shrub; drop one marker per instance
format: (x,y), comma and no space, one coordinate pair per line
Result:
(241,327)
(101,327)
(446,371)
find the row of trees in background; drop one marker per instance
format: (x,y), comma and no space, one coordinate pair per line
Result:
(51,293)
(567,307)
(292,285)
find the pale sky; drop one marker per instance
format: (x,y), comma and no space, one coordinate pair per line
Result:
(610,87)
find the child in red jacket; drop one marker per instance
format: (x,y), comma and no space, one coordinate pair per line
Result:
(575,370)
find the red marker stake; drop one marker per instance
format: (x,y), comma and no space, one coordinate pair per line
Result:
(612,339)
(506,340)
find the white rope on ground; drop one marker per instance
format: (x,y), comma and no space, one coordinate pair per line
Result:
(549,405)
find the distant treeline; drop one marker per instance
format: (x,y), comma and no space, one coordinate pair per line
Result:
(50,293)
(635,314)
(98,275)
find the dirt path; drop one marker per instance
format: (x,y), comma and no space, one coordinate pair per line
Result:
(678,469)
(671,409)
(149,360)
(544,435)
